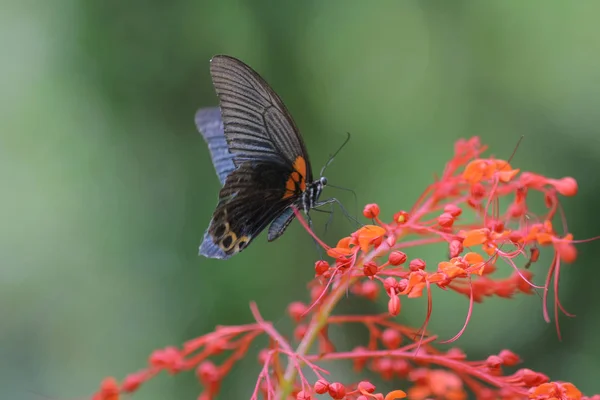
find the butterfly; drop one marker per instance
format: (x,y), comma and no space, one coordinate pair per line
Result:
(260,159)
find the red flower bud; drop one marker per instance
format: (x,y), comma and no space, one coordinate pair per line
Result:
(371,211)
(263,355)
(565,186)
(390,283)
(477,191)
(337,390)
(473,203)
(455,248)
(133,381)
(515,236)
(401,367)
(419,376)
(391,338)
(384,366)
(496,226)
(402,285)
(300,331)
(208,373)
(169,358)
(370,290)
(509,358)
(109,388)
(302,395)
(394,306)
(370,268)
(366,386)
(456,354)
(358,360)
(321,386)
(567,252)
(321,267)
(417,264)
(493,362)
(516,210)
(522,284)
(453,210)
(531,378)
(297,310)
(216,346)
(446,220)
(397,258)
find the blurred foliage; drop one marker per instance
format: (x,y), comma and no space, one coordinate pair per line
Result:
(108,187)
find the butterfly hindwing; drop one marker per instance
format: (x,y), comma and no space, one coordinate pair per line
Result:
(250,199)
(280,224)
(210,125)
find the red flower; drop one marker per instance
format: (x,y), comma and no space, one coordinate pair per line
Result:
(372,260)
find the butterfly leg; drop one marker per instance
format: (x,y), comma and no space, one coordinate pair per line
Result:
(344,211)
(309,220)
(329,219)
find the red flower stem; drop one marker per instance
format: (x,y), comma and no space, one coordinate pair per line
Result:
(426,358)
(418,242)
(424,208)
(240,352)
(469,313)
(315,368)
(318,321)
(267,327)
(422,198)
(475,385)
(193,345)
(264,374)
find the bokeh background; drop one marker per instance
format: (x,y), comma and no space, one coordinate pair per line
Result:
(107,187)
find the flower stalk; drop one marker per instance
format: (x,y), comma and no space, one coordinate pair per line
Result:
(461,209)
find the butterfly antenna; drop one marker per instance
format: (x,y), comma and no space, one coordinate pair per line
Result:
(334,154)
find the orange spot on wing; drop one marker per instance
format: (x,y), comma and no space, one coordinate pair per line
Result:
(296,178)
(300,167)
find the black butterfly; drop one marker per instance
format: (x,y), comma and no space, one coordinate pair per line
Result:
(260,159)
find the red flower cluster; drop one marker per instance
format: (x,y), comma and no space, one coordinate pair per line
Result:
(375,259)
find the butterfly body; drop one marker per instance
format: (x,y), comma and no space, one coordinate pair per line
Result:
(260,159)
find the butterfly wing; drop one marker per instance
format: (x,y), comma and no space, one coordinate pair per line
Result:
(210,125)
(280,224)
(249,201)
(257,124)
(270,160)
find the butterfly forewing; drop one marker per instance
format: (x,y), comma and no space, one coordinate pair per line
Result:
(257,123)
(265,167)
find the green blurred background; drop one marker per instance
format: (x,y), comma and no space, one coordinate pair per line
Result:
(108,188)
